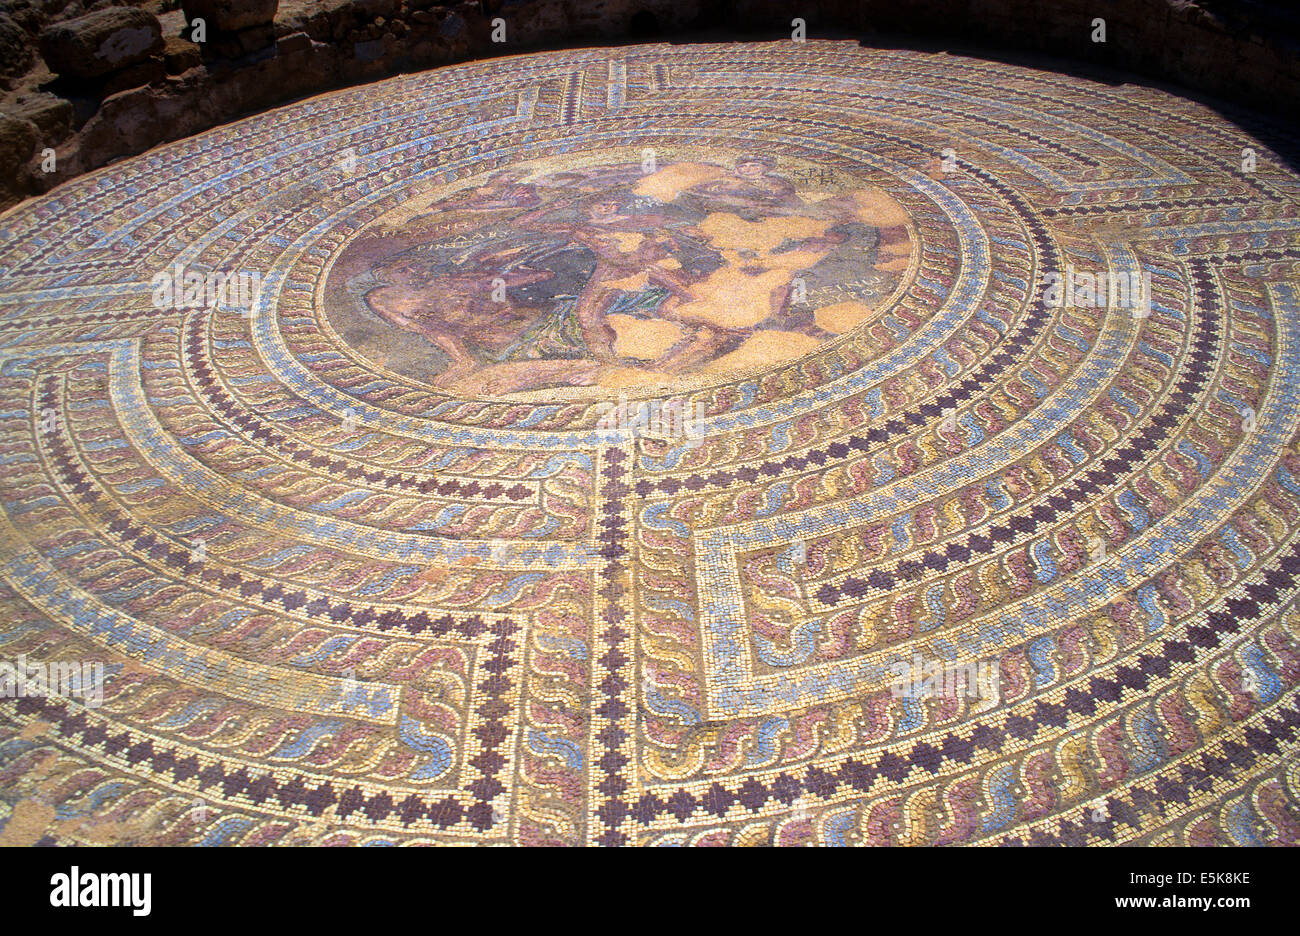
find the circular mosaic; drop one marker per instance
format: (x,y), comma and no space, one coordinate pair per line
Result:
(741,444)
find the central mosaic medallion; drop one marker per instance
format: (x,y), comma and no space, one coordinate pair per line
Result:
(618,273)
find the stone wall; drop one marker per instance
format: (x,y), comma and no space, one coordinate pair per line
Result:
(87,82)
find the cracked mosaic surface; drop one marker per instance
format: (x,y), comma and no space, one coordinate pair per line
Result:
(363,567)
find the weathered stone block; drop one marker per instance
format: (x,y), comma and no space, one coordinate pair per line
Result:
(17,141)
(231,15)
(51,115)
(293,43)
(238,45)
(101,42)
(16,53)
(180,55)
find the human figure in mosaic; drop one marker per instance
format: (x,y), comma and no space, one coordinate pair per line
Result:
(752,188)
(559,279)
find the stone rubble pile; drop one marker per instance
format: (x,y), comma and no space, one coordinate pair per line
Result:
(91,81)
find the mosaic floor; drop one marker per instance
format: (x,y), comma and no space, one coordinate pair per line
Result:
(670,445)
